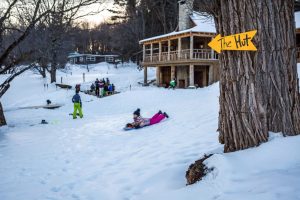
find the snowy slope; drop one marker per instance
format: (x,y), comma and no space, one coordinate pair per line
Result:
(93,158)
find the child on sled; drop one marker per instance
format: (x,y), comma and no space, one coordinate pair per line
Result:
(139,121)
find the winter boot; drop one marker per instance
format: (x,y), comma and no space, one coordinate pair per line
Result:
(166,115)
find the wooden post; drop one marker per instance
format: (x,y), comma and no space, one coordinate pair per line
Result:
(144,52)
(191,46)
(191,75)
(83,76)
(159,51)
(173,71)
(179,48)
(169,49)
(212,51)
(210,74)
(151,52)
(61,79)
(145,76)
(158,76)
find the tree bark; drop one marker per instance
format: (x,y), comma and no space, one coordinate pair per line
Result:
(53,73)
(259,91)
(2,117)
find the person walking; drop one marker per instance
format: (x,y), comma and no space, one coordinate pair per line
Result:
(97,87)
(173,84)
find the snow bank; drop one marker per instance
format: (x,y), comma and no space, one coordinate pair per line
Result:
(93,158)
(270,171)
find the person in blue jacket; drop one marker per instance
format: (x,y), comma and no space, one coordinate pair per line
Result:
(77,105)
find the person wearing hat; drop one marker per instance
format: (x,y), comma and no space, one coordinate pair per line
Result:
(139,122)
(77,105)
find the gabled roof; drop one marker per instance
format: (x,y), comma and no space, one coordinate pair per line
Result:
(202,24)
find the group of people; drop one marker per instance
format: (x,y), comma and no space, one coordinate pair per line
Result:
(138,120)
(102,88)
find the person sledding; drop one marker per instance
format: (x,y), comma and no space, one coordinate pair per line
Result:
(139,121)
(77,105)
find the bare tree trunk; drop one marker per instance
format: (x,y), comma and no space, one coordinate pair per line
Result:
(259,91)
(2,117)
(53,73)
(43,72)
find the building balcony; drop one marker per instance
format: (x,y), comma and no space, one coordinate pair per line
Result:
(183,56)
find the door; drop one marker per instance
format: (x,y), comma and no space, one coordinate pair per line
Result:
(181,83)
(198,78)
(166,76)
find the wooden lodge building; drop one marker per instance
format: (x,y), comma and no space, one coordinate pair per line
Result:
(77,58)
(183,54)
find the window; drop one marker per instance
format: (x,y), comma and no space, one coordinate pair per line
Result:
(80,59)
(91,58)
(109,59)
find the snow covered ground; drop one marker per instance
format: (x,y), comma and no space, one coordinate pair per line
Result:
(94,159)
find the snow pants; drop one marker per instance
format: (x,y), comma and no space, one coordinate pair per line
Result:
(97,91)
(101,92)
(77,107)
(157,118)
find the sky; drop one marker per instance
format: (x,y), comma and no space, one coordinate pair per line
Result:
(102,13)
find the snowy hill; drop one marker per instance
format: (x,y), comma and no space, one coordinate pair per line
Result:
(93,158)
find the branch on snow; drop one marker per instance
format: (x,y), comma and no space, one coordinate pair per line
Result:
(6,84)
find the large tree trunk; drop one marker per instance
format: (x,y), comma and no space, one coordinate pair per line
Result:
(53,74)
(53,68)
(259,91)
(2,117)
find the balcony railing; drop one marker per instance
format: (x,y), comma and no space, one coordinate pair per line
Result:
(197,54)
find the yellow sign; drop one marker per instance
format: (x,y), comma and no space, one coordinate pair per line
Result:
(237,42)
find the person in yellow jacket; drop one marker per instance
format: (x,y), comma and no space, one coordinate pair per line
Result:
(77,105)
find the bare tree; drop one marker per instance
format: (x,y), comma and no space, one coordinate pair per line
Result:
(18,18)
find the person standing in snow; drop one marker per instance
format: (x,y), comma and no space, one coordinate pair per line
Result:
(77,87)
(77,105)
(107,81)
(105,90)
(93,87)
(113,88)
(97,87)
(110,89)
(101,86)
(173,83)
(139,121)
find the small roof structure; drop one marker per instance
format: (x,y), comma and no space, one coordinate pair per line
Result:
(202,24)
(76,54)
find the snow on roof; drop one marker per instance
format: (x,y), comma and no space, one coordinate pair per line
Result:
(203,24)
(297,19)
(92,55)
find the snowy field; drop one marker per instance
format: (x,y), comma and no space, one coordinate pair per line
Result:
(94,159)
